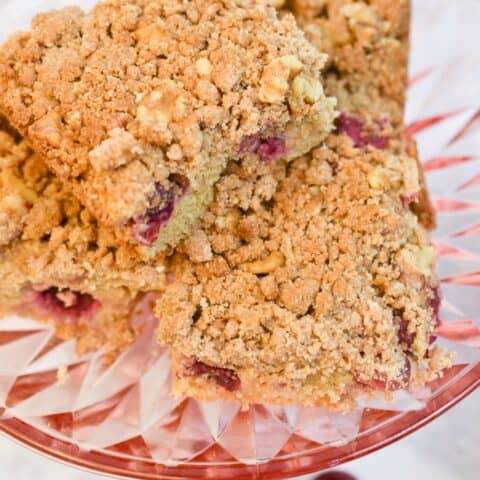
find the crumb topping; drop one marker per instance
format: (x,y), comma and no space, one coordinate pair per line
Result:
(367,45)
(119,99)
(48,238)
(319,275)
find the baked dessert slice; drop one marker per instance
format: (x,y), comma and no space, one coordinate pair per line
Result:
(317,294)
(367,44)
(56,263)
(325,290)
(138,105)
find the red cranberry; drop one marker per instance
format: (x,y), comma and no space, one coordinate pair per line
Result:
(146,227)
(406,372)
(268,149)
(351,126)
(271,149)
(434,303)
(224,377)
(404,336)
(66,305)
(249,144)
(335,476)
(381,143)
(354,128)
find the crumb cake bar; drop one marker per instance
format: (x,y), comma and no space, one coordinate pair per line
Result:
(367,44)
(139,104)
(312,283)
(56,263)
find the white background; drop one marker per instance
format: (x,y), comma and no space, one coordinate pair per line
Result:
(447,449)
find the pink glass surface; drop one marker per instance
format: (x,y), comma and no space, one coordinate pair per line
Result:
(121,420)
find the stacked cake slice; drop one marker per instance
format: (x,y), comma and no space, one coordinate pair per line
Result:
(138,105)
(314,283)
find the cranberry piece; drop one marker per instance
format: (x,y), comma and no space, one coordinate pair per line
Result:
(268,149)
(224,377)
(407,370)
(381,143)
(354,128)
(335,476)
(434,303)
(351,126)
(66,305)
(271,149)
(404,336)
(146,227)
(249,144)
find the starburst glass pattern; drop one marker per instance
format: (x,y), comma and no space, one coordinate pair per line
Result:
(121,419)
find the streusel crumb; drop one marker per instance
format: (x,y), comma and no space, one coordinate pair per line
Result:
(139,104)
(321,288)
(367,43)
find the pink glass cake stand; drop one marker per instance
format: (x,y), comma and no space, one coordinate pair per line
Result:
(121,420)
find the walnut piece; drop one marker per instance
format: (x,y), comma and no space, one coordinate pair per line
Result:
(266,265)
(275,78)
(307,89)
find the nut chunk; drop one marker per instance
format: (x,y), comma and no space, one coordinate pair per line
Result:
(139,104)
(57,264)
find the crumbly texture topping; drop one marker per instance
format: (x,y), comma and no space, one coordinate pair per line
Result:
(321,282)
(321,276)
(48,239)
(367,44)
(141,94)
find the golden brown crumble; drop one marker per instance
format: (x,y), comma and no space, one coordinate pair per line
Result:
(322,286)
(367,44)
(48,240)
(140,95)
(319,287)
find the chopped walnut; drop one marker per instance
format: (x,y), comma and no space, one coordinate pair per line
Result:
(161,106)
(266,265)
(276,76)
(308,89)
(115,151)
(419,259)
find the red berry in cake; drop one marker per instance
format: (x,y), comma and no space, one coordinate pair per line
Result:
(271,149)
(224,377)
(66,305)
(268,149)
(404,336)
(146,227)
(434,302)
(354,128)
